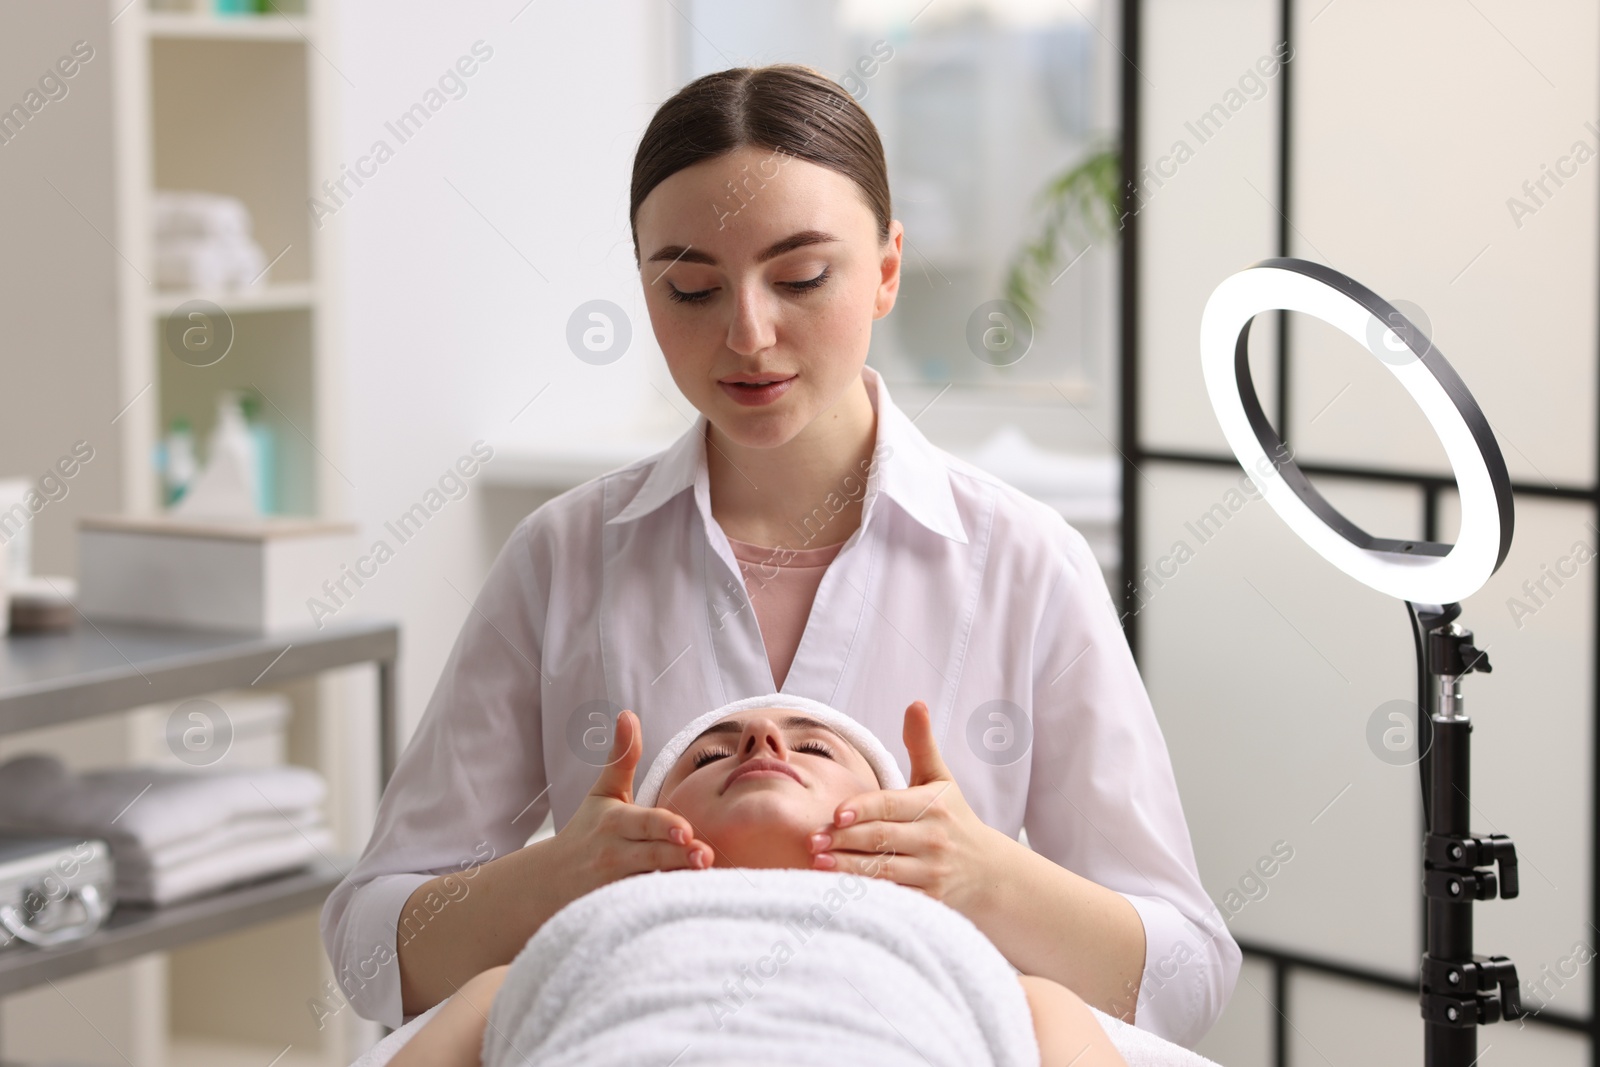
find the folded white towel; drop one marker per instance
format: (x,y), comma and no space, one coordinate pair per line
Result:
(230,835)
(246,861)
(174,834)
(148,808)
(209,263)
(180,213)
(736,966)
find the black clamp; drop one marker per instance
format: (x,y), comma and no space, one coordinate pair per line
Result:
(1455,654)
(1450,861)
(1462,994)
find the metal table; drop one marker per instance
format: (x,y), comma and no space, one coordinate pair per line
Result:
(99,668)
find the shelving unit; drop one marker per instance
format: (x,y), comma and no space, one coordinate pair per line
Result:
(132,932)
(100,669)
(244,81)
(185,24)
(97,670)
(237,105)
(49,679)
(283,296)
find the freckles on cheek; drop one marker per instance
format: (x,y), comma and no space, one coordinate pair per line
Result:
(682,343)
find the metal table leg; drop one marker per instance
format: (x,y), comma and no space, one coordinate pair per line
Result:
(388,724)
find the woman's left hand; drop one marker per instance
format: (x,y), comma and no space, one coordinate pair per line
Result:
(924,836)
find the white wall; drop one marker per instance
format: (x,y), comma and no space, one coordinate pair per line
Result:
(463,258)
(56,181)
(1412,126)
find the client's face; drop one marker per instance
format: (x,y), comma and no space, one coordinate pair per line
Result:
(756,784)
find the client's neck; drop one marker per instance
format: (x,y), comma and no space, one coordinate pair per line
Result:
(763,845)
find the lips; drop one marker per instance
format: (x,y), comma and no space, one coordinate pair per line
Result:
(756,390)
(761,763)
(766,378)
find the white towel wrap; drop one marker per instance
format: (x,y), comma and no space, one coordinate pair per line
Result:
(774,966)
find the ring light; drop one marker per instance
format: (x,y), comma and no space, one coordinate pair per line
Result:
(1459,989)
(1425,572)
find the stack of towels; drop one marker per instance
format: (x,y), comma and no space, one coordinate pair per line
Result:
(203,242)
(174,834)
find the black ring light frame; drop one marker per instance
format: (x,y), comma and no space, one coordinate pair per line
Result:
(1460,991)
(1433,360)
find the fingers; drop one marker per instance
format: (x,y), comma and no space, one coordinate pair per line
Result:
(655,839)
(879,837)
(665,856)
(897,805)
(615,779)
(652,824)
(633,839)
(629,840)
(891,866)
(926,763)
(660,832)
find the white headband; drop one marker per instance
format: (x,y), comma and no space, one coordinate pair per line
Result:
(865,741)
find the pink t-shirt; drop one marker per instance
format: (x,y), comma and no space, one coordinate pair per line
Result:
(782,584)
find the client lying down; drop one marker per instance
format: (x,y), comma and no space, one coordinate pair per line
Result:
(757,958)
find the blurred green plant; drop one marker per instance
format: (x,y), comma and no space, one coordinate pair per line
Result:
(1076,208)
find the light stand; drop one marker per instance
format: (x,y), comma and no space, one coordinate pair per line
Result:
(1457,987)
(1460,991)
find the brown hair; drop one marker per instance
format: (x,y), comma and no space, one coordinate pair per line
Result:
(788,108)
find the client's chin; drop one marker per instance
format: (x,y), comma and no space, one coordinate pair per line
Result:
(761,828)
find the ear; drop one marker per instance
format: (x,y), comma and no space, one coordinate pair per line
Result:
(889,283)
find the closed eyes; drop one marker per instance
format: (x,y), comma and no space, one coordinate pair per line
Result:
(702,295)
(709,754)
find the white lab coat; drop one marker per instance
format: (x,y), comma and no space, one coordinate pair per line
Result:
(956,589)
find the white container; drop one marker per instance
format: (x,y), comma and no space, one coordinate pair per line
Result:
(16,528)
(252,575)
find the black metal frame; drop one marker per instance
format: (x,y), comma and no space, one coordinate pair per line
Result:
(1283,961)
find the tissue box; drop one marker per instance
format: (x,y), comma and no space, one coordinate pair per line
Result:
(251,575)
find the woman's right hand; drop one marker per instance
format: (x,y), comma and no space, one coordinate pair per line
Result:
(610,837)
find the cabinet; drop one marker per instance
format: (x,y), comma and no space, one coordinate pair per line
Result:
(97,669)
(186,100)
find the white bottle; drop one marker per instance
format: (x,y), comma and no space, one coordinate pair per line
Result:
(16,528)
(226,488)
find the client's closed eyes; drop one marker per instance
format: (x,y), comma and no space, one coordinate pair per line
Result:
(790,773)
(707,755)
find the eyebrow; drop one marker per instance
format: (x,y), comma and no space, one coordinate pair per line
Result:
(688,254)
(792,722)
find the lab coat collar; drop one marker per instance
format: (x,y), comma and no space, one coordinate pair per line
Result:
(910,471)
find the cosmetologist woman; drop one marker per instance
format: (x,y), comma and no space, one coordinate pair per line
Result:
(802,537)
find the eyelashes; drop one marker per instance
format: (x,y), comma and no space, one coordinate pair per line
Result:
(702,295)
(707,755)
(810,283)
